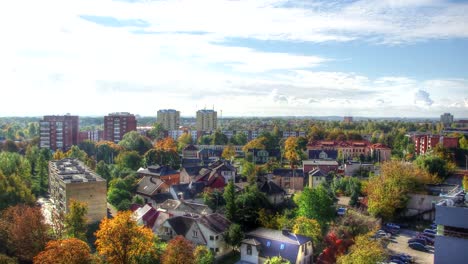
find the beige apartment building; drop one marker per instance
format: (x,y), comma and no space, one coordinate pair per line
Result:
(71,179)
(169,119)
(207,120)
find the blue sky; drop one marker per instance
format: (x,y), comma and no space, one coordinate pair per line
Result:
(405,58)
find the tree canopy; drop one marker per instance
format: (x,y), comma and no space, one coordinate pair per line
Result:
(67,251)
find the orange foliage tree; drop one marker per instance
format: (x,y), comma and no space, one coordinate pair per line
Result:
(179,251)
(25,230)
(166,144)
(120,240)
(67,251)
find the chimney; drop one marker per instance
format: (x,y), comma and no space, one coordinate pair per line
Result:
(285,232)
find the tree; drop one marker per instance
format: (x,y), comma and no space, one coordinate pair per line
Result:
(76,153)
(229,196)
(239,139)
(67,251)
(463,142)
(308,227)
(121,240)
(213,198)
(129,159)
(76,221)
(14,190)
(248,171)
(315,203)
(435,165)
(4,259)
(218,138)
(258,143)
(59,155)
(388,192)
(229,152)
(157,132)
(292,151)
(133,141)
(203,255)
(178,251)
(10,146)
(364,250)
(107,151)
(162,157)
(277,260)
(88,146)
(248,205)
(120,190)
(25,230)
(184,140)
(103,170)
(166,144)
(234,236)
(204,140)
(465,182)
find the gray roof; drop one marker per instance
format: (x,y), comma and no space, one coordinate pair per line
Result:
(275,243)
(189,190)
(157,170)
(251,241)
(215,222)
(186,207)
(181,224)
(270,188)
(288,172)
(72,171)
(193,170)
(148,185)
(319,162)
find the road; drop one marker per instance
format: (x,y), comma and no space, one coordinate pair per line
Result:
(399,244)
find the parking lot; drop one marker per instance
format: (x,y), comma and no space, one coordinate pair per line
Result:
(399,244)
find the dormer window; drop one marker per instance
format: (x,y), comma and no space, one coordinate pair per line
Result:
(249,250)
(268,243)
(282,247)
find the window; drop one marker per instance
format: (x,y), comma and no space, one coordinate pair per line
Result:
(195,234)
(268,243)
(216,249)
(212,249)
(249,250)
(211,237)
(217,237)
(281,246)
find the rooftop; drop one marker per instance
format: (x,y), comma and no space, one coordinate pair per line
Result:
(73,171)
(320,162)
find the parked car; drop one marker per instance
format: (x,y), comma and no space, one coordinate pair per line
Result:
(341,211)
(406,257)
(428,234)
(434,226)
(428,230)
(391,230)
(429,241)
(418,246)
(418,240)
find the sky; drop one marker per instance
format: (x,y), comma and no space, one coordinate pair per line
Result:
(383,58)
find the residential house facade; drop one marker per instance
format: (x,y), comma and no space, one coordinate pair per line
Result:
(288,179)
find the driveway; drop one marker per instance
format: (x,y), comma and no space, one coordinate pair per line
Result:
(399,244)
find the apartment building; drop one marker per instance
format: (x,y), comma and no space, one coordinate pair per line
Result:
(70,179)
(59,132)
(169,119)
(207,120)
(116,125)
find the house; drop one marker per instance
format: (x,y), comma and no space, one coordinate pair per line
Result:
(274,193)
(353,168)
(325,166)
(190,152)
(152,190)
(207,230)
(216,175)
(179,208)
(149,216)
(333,149)
(188,174)
(288,178)
(165,173)
(262,156)
(187,191)
(262,244)
(317,177)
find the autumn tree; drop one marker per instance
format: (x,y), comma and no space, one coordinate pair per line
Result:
(229,152)
(364,250)
(107,151)
(76,220)
(465,182)
(308,227)
(166,144)
(67,251)
(388,192)
(203,255)
(184,140)
(258,143)
(121,241)
(234,236)
(25,231)
(229,196)
(179,251)
(14,190)
(292,151)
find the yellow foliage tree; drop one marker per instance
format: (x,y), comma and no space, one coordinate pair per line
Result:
(67,251)
(58,155)
(291,150)
(166,144)
(121,241)
(307,227)
(229,152)
(365,250)
(258,143)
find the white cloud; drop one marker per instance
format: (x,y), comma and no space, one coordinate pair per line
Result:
(423,98)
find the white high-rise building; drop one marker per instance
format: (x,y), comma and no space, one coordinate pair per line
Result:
(169,119)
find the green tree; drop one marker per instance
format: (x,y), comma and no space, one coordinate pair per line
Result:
(157,132)
(364,250)
(228,152)
(248,171)
(239,139)
(435,165)
(229,196)
(184,140)
(277,260)
(129,159)
(76,221)
(133,141)
(103,170)
(13,191)
(315,203)
(308,227)
(120,190)
(204,140)
(234,236)
(248,205)
(219,138)
(203,255)
(88,146)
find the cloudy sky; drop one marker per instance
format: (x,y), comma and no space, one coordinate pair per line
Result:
(406,58)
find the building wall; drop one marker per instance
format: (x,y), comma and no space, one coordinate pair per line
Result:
(450,250)
(305,254)
(93,194)
(421,202)
(59,132)
(249,258)
(206,120)
(295,183)
(218,243)
(116,125)
(169,119)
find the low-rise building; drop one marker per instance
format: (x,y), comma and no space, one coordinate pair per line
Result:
(206,230)
(317,177)
(262,243)
(288,179)
(326,166)
(70,179)
(182,207)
